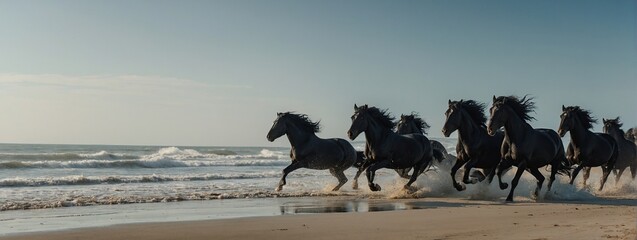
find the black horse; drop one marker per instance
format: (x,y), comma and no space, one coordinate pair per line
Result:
(475,148)
(310,151)
(526,148)
(589,149)
(407,124)
(388,149)
(627,157)
(413,123)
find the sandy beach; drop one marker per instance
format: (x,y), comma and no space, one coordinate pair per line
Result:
(433,218)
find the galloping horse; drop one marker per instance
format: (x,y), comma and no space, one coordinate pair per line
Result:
(627,150)
(388,149)
(475,147)
(525,147)
(310,151)
(412,123)
(407,124)
(589,149)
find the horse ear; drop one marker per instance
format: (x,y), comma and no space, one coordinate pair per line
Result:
(563,108)
(355,107)
(603,119)
(461,100)
(493,98)
(278,114)
(449,102)
(617,119)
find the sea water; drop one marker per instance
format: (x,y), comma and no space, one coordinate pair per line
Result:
(149,178)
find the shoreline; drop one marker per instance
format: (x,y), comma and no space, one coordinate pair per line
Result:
(440,218)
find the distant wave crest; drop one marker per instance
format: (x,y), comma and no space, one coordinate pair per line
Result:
(168,157)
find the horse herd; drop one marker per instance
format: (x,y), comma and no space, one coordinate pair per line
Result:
(403,145)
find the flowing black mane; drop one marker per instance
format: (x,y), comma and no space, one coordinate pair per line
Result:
(616,122)
(420,123)
(303,122)
(382,116)
(521,107)
(583,115)
(475,110)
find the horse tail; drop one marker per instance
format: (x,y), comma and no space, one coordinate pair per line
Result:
(439,151)
(564,166)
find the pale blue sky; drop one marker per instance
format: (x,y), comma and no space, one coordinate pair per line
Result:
(216,72)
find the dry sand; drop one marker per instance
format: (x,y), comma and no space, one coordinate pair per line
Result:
(449,219)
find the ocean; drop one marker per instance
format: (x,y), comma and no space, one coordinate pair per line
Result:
(59,177)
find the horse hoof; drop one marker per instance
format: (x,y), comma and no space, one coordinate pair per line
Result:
(410,188)
(355,187)
(504,186)
(278,189)
(374,188)
(460,187)
(509,199)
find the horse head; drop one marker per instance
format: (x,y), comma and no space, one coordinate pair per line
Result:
(278,128)
(359,121)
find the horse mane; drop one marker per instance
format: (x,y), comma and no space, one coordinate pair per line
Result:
(381,115)
(304,122)
(475,110)
(583,115)
(616,122)
(420,123)
(521,107)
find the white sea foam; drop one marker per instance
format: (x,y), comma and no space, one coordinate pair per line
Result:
(164,158)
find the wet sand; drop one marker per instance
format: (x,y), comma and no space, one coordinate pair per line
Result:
(431,218)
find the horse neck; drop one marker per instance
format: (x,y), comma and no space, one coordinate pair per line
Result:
(415,129)
(297,136)
(468,130)
(375,133)
(578,133)
(616,133)
(516,128)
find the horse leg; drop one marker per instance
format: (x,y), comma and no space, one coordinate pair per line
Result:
(490,175)
(404,173)
(633,171)
(362,168)
(516,179)
(454,169)
(342,179)
(295,165)
(422,165)
(587,173)
(606,171)
(575,172)
(504,165)
(618,175)
(540,180)
(371,172)
(467,171)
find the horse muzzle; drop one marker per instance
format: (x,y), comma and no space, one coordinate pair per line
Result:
(561,132)
(445,133)
(490,131)
(270,138)
(351,135)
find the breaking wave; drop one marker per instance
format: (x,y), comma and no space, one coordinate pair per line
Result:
(168,157)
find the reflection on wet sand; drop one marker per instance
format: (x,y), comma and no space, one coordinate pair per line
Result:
(356,206)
